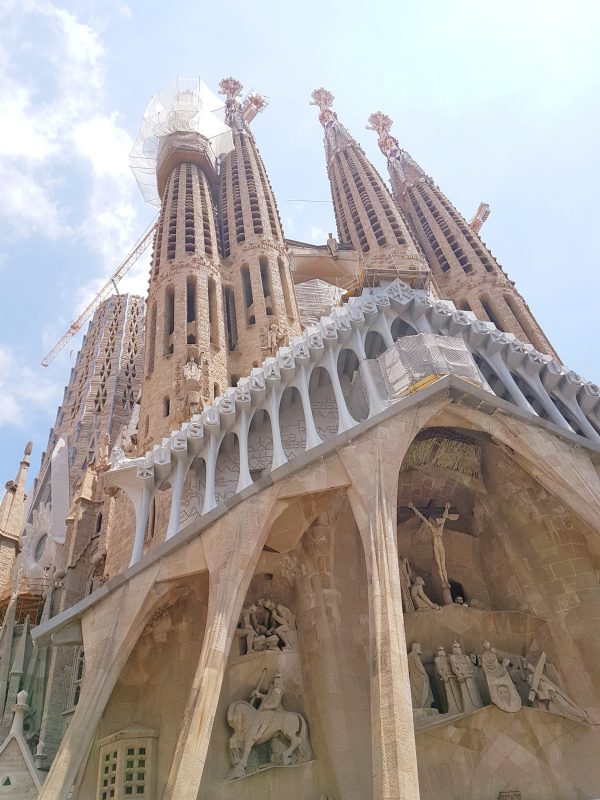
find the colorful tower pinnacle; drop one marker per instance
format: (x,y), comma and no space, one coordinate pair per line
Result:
(365,212)
(464,268)
(260,306)
(185,345)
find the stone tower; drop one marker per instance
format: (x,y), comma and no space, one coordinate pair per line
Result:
(260,306)
(465,269)
(365,212)
(185,298)
(11,518)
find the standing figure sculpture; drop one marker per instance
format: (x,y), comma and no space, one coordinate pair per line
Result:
(420,687)
(502,690)
(449,682)
(436,526)
(263,719)
(463,668)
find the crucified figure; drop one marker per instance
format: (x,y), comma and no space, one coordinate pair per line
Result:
(436,526)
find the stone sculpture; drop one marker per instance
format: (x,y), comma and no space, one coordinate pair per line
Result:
(285,626)
(267,625)
(545,694)
(261,720)
(272,337)
(463,668)
(502,690)
(436,526)
(449,682)
(420,600)
(420,686)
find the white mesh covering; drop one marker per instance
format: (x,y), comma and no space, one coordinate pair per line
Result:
(186,106)
(315,299)
(412,359)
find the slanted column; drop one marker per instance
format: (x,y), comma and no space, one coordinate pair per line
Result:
(232,550)
(374,465)
(110,631)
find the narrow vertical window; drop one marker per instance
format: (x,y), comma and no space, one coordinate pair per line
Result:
(152,337)
(485,304)
(285,287)
(191,299)
(166,406)
(212,312)
(230,318)
(248,297)
(169,319)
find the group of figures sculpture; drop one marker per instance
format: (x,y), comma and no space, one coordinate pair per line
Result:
(261,720)
(464,682)
(267,625)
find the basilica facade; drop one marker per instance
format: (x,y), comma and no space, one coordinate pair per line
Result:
(346,555)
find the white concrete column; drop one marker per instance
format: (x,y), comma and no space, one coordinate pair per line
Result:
(232,549)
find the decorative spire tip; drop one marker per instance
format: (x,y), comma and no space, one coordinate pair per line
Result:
(230,87)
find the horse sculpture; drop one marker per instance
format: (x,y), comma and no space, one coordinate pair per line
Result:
(256,726)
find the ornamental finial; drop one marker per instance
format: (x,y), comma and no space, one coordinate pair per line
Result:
(324,99)
(381,123)
(230,87)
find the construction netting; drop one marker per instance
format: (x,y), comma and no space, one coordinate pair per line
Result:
(315,299)
(414,361)
(186,106)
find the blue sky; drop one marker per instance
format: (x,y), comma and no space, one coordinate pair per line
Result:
(499,101)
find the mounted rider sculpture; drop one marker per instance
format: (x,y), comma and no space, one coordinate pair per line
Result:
(262,720)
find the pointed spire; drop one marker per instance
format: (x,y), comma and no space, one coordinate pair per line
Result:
(336,135)
(365,212)
(388,144)
(465,270)
(11,508)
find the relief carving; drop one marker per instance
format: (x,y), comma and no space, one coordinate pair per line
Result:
(261,720)
(267,625)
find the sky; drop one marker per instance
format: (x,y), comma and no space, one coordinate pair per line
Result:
(498,101)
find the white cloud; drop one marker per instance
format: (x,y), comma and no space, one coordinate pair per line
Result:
(41,130)
(23,389)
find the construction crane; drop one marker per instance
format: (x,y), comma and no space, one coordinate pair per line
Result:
(109,287)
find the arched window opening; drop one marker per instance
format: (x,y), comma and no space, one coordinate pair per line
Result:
(352,384)
(292,422)
(260,444)
(228,467)
(464,306)
(323,403)
(374,344)
(401,328)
